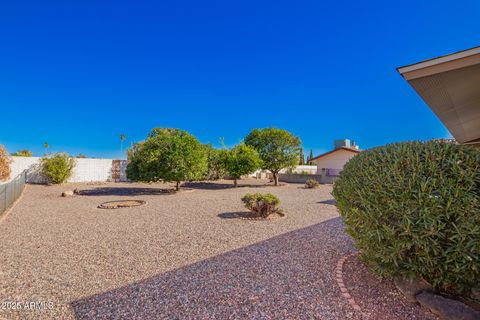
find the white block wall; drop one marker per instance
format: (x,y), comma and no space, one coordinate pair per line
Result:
(85,170)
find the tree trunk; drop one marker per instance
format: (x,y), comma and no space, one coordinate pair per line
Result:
(177,186)
(275,178)
(235,182)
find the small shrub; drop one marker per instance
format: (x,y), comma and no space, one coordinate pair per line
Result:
(4,164)
(57,168)
(262,205)
(413,209)
(311,184)
(23,153)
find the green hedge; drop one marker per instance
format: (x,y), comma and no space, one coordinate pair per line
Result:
(413,209)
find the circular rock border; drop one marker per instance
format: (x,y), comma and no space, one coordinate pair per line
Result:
(119,204)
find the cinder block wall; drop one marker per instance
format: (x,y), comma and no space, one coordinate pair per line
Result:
(86,169)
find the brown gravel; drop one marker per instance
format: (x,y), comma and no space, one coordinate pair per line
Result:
(183,255)
(378,297)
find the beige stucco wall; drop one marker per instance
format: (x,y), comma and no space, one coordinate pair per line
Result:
(335,160)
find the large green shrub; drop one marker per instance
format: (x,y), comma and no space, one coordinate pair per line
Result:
(57,168)
(4,164)
(215,163)
(413,209)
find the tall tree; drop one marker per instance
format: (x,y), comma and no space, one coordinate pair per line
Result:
(310,157)
(241,160)
(123,137)
(302,158)
(170,155)
(277,148)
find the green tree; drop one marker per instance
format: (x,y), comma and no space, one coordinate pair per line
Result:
(302,158)
(277,148)
(215,163)
(241,160)
(22,153)
(123,137)
(168,155)
(81,156)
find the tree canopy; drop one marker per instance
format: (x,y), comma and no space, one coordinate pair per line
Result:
(241,160)
(277,148)
(168,155)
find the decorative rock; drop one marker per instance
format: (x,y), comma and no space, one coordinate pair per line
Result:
(67,193)
(411,287)
(447,309)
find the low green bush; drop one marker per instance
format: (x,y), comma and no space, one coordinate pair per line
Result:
(4,164)
(262,205)
(23,153)
(57,168)
(311,184)
(413,209)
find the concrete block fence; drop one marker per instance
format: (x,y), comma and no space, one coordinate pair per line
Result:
(85,170)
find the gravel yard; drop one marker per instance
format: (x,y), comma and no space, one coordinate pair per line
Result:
(186,255)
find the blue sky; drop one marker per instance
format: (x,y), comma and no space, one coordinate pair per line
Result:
(78,74)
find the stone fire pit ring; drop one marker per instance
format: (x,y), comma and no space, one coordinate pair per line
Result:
(118,204)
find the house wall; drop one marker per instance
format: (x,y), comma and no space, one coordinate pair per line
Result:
(85,170)
(335,160)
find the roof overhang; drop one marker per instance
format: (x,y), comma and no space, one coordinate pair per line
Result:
(335,150)
(450,86)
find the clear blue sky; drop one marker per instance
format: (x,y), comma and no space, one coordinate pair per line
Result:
(78,74)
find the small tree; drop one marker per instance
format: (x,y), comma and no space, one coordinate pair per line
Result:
(23,153)
(4,164)
(57,168)
(277,148)
(168,155)
(242,160)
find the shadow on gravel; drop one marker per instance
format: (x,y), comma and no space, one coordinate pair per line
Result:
(287,276)
(235,215)
(123,191)
(332,202)
(220,186)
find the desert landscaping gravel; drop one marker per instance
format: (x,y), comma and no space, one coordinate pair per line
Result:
(186,255)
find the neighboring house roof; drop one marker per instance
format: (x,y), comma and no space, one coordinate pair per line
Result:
(335,150)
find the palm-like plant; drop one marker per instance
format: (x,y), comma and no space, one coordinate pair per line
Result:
(123,137)
(46,146)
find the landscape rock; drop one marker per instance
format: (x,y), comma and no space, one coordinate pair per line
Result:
(447,309)
(67,193)
(411,287)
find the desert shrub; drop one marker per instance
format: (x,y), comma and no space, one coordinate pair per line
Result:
(4,164)
(57,168)
(311,184)
(262,205)
(413,209)
(22,153)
